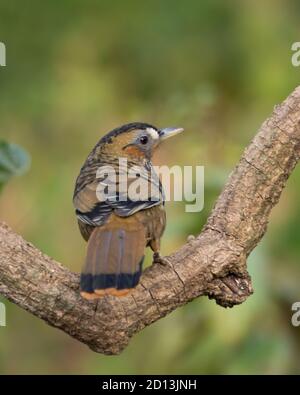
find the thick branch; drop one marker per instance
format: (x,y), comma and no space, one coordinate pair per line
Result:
(212,264)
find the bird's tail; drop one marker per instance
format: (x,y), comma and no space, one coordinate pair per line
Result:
(114,259)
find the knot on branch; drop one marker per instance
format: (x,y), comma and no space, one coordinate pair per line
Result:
(230,290)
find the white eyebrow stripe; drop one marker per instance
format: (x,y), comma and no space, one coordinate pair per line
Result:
(153,133)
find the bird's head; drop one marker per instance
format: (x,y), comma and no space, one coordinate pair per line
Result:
(136,139)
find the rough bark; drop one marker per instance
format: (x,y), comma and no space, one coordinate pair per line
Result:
(212,264)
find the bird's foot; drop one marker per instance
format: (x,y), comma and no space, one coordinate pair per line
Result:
(158,259)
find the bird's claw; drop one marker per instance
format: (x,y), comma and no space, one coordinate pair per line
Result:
(158,259)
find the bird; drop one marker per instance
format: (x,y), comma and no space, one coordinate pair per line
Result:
(117,226)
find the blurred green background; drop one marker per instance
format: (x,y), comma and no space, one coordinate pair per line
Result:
(75,70)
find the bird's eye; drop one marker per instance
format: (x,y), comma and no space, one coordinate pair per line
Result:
(144,140)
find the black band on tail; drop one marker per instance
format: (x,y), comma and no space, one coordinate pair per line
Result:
(89,282)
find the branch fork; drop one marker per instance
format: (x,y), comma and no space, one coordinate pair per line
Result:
(213,264)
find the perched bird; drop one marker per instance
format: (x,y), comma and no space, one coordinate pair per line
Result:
(118,227)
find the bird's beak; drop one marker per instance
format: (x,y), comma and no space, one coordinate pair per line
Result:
(168,132)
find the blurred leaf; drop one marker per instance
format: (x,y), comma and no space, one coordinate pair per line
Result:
(14,161)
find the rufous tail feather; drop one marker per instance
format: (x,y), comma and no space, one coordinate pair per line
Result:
(114,259)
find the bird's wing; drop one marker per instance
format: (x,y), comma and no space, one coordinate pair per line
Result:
(95,201)
(89,209)
(142,191)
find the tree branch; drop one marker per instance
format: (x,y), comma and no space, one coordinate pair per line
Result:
(212,264)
